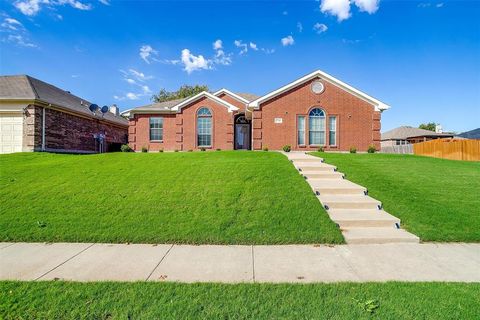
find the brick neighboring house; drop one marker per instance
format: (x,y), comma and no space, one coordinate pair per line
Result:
(315,110)
(37,116)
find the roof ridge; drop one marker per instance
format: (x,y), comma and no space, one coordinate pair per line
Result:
(32,86)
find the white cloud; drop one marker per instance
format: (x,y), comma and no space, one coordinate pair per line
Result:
(132,96)
(439,5)
(32,7)
(12,24)
(135,75)
(105,2)
(370,6)
(146,90)
(222,58)
(285,13)
(243,46)
(146,51)
(253,46)
(130,80)
(268,51)
(338,8)
(320,27)
(299,27)
(193,63)
(21,41)
(287,41)
(218,44)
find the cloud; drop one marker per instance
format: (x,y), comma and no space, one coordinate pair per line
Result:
(135,75)
(429,4)
(341,8)
(193,63)
(15,33)
(370,6)
(132,96)
(146,51)
(105,2)
(299,27)
(287,41)
(136,79)
(439,5)
(285,13)
(320,27)
(268,51)
(218,44)
(20,41)
(253,46)
(243,46)
(32,7)
(12,24)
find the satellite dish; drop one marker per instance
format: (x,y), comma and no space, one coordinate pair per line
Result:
(93,107)
(104,109)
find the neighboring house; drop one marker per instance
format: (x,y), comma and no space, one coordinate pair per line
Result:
(408,135)
(37,116)
(472,134)
(315,110)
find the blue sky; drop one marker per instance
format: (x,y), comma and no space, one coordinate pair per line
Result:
(421,57)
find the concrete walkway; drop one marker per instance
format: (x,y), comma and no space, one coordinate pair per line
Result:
(207,263)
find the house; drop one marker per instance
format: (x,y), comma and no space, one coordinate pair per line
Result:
(472,134)
(408,135)
(315,110)
(37,116)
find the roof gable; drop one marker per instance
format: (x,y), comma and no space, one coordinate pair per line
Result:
(231,94)
(379,106)
(204,94)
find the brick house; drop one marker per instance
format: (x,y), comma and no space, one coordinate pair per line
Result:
(37,116)
(315,110)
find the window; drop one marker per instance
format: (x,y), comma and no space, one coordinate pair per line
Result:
(156,129)
(332,127)
(316,127)
(301,130)
(204,127)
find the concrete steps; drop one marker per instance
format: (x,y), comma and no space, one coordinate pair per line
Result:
(359,217)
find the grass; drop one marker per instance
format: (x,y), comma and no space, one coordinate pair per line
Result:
(436,199)
(391,300)
(199,197)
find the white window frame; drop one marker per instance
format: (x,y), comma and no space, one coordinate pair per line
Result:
(334,130)
(304,130)
(324,117)
(160,130)
(210,116)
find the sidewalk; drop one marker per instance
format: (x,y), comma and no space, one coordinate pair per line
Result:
(207,263)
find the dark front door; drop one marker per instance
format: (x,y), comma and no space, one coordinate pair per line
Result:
(242,133)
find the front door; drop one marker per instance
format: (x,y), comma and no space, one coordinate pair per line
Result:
(242,133)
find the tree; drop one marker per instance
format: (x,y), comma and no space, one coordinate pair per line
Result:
(185,91)
(428,126)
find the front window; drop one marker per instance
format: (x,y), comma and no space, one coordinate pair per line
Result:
(301,130)
(204,127)
(156,129)
(316,127)
(332,126)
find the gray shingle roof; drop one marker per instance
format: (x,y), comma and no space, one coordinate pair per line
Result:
(26,87)
(472,134)
(248,96)
(405,132)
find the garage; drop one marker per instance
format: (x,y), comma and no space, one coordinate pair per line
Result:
(11,132)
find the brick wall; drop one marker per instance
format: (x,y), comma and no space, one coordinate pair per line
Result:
(358,125)
(67,132)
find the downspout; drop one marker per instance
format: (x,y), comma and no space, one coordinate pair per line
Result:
(43,129)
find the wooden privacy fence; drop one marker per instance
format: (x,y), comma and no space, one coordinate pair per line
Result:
(453,149)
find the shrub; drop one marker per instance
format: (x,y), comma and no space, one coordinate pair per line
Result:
(321,149)
(190,150)
(353,150)
(176,150)
(125,148)
(160,150)
(144,149)
(203,149)
(287,148)
(265,148)
(218,149)
(371,149)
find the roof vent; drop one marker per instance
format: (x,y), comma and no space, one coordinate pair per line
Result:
(114,109)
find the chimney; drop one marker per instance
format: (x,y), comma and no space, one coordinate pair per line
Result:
(114,109)
(438,129)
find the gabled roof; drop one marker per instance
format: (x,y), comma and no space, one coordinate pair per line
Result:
(204,94)
(472,134)
(405,132)
(24,87)
(379,106)
(242,97)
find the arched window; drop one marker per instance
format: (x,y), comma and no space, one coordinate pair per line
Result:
(204,127)
(316,127)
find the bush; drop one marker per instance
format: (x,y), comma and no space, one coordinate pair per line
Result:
(265,148)
(125,148)
(144,149)
(371,149)
(160,150)
(176,150)
(218,149)
(203,149)
(321,149)
(190,150)
(353,150)
(287,148)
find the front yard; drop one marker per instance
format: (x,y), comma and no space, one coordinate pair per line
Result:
(392,300)
(436,199)
(198,198)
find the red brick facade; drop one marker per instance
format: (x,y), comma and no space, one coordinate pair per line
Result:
(273,122)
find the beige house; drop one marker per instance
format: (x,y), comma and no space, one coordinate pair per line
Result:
(406,135)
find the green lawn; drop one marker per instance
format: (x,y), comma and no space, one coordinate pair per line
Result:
(392,300)
(198,197)
(436,199)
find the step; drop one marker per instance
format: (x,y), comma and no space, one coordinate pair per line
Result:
(312,175)
(336,186)
(378,236)
(365,218)
(307,160)
(349,202)
(317,167)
